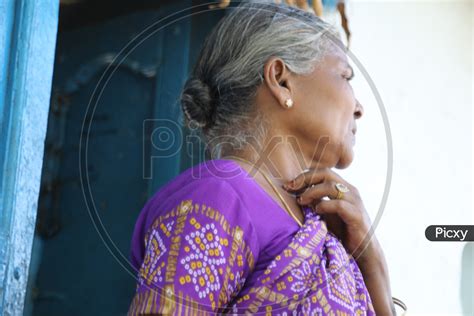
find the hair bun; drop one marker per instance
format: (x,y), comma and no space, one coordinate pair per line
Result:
(197,101)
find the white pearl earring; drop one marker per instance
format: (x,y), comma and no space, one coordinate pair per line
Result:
(289,103)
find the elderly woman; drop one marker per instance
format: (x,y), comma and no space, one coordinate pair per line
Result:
(266,225)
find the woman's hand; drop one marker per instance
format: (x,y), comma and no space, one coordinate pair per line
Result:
(345,217)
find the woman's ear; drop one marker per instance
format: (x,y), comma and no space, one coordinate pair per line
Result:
(277,79)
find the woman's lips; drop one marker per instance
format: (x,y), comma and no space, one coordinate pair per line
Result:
(354,131)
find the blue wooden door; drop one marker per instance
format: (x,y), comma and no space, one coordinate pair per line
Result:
(115,91)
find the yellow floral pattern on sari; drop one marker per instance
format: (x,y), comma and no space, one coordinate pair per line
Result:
(197,262)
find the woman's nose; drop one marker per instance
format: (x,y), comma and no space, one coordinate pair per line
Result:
(359,110)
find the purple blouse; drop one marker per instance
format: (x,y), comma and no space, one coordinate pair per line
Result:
(212,240)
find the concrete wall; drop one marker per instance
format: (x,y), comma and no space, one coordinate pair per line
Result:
(419,57)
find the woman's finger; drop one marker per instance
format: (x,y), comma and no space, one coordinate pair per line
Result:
(344,209)
(306,179)
(317,191)
(313,177)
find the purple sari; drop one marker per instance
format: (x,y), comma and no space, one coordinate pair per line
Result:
(214,241)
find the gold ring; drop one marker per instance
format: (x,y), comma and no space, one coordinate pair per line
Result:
(341,189)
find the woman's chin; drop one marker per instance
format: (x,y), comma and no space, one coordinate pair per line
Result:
(346,159)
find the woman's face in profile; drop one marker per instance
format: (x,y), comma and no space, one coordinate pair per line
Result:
(326,109)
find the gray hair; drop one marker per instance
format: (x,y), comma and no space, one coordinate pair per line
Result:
(219,95)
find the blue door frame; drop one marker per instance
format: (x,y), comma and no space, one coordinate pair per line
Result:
(27,43)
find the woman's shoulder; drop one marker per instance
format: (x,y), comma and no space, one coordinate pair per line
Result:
(221,187)
(216,186)
(214,181)
(205,194)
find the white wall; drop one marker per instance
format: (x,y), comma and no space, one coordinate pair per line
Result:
(419,55)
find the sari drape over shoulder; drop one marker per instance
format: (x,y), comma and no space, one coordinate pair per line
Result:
(213,241)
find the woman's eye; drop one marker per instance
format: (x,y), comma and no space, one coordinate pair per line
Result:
(349,77)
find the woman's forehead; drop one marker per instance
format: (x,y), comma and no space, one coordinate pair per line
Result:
(337,56)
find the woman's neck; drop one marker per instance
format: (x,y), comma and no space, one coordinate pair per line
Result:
(278,159)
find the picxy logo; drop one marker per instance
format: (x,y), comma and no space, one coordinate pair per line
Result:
(450,232)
